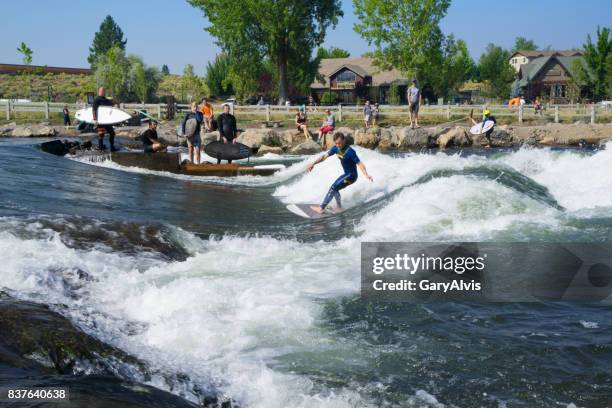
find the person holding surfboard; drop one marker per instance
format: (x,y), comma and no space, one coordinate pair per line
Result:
(486,117)
(349,161)
(227,127)
(101,100)
(190,127)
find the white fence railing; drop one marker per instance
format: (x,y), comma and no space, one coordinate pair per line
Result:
(270,113)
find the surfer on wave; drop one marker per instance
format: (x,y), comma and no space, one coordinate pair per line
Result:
(350,162)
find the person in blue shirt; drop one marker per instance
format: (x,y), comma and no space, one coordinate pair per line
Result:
(349,161)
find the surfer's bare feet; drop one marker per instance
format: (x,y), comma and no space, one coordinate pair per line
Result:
(316,209)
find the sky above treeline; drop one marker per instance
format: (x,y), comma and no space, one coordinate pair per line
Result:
(172,32)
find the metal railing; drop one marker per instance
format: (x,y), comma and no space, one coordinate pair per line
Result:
(269,113)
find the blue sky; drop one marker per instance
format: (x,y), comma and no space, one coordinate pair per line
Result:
(171,32)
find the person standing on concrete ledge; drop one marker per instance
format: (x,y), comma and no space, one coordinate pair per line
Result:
(101,100)
(227,127)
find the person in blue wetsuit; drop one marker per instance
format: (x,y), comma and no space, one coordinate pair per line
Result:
(350,162)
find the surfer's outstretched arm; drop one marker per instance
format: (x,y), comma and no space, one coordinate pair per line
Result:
(319,160)
(362,167)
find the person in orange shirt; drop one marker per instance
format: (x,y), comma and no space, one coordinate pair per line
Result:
(514,102)
(208,112)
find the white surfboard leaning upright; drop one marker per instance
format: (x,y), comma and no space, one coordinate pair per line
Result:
(107,115)
(479,128)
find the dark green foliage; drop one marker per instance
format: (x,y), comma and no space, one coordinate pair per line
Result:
(597,60)
(332,52)
(108,36)
(523,44)
(284,31)
(496,72)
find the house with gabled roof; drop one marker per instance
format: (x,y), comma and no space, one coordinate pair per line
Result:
(547,77)
(353,78)
(519,58)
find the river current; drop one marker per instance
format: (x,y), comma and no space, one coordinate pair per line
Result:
(214,278)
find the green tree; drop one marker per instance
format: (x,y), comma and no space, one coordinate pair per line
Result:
(170,85)
(192,87)
(579,81)
(457,67)
(523,44)
(328,98)
(596,57)
(26,56)
(165,70)
(112,72)
(496,72)
(217,73)
(394,98)
(108,36)
(26,53)
(332,52)
(406,34)
(284,31)
(143,80)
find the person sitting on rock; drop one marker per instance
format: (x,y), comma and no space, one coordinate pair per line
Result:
(301,123)
(486,116)
(150,140)
(328,126)
(207,110)
(227,127)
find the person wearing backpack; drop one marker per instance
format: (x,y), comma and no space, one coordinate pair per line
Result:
(414,101)
(192,122)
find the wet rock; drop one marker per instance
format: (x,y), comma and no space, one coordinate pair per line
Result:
(41,348)
(38,334)
(263,149)
(308,147)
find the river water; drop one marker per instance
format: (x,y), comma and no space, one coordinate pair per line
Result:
(214,278)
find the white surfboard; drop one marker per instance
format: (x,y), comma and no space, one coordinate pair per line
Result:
(479,128)
(304,210)
(107,115)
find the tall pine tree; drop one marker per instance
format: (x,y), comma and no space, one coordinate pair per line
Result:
(110,35)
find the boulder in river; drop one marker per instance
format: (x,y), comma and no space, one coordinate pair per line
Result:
(41,348)
(263,149)
(308,147)
(254,138)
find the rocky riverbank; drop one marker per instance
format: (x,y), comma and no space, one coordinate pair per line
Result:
(290,141)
